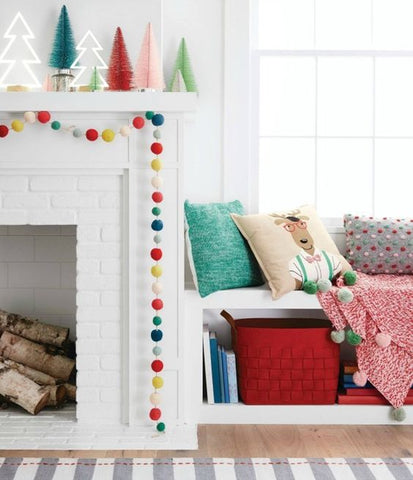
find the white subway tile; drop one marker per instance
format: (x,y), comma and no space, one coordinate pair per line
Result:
(74,200)
(52,217)
(88,233)
(98,314)
(110,266)
(87,395)
(99,217)
(110,362)
(98,282)
(97,347)
(110,200)
(69,230)
(13,183)
(87,299)
(25,200)
(3,275)
(14,217)
(34,230)
(87,362)
(111,233)
(53,183)
(98,250)
(55,248)
(34,275)
(16,249)
(110,330)
(96,379)
(110,298)
(17,300)
(110,395)
(88,266)
(99,183)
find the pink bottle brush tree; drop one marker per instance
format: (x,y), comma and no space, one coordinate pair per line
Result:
(120,72)
(148,71)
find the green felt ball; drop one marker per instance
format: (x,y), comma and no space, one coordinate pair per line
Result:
(324,285)
(156,211)
(345,295)
(160,427)
(353,338)
(399,414)
(350,277)
(310,287)
(149,115)
(55,125)
(157,320)
(338,336)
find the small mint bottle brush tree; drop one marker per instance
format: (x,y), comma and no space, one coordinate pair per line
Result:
(63,53)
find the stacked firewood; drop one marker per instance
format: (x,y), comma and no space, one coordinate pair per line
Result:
(37,365)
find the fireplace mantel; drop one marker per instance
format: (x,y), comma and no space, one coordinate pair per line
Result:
(120,102)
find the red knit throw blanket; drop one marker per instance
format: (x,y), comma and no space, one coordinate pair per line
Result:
(381,304)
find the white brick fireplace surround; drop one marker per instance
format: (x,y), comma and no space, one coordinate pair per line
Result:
(102,192)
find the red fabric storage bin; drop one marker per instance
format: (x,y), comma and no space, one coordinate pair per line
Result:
(285,361)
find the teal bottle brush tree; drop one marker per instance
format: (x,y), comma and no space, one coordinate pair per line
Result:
(63,53)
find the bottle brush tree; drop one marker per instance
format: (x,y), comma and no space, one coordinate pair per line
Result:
(120,73)
(95,83)
(148,71)
(183,63)
(63,53)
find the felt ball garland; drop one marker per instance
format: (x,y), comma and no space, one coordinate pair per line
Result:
(156,255)
(108,135)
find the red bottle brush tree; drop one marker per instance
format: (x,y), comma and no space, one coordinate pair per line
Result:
(120,71)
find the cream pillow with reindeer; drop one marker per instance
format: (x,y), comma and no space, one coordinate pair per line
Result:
(292,248)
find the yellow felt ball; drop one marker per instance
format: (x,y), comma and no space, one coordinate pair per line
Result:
(155,398)
(157,382)
(156,164)
(17,125)
(108,135)
(156,271)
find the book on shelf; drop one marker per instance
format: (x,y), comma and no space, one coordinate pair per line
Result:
(207,365)
(361,391)
(215,367)
(368,400)
(232,377)
(225,375)
(221,373)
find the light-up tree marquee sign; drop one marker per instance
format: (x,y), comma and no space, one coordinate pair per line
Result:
(18,56)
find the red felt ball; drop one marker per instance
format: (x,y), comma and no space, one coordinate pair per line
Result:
(156,253)
(92,134)
(157,197)
(43,116)
(157,366)
(157,304)
(156,148)
(138,122)
(155,414)
(4,131)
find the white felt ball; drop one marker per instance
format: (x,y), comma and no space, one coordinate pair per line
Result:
(155,398)
(125,131)
(157,181)
(383,340)
(30,117)
(157,288)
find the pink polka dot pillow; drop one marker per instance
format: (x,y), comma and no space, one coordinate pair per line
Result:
(379,245)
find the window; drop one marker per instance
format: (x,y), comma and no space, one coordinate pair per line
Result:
(334,89)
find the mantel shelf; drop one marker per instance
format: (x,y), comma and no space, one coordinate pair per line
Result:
(98,102)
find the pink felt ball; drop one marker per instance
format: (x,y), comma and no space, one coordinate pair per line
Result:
(43,117)
(383,340)
(360,379)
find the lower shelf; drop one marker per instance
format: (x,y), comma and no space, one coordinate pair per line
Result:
(238,413)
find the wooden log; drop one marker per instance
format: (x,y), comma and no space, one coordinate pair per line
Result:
(70,392)
(35,356)
(57,394)
(33,329)
(40,378)
(19,389)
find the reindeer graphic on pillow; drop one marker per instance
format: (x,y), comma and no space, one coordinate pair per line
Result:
(310,263)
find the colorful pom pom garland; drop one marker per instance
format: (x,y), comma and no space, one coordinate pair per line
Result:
(156,255)
(108,135)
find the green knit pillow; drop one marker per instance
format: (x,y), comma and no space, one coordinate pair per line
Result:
(219,256)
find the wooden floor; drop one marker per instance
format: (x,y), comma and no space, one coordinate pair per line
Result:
(270,441)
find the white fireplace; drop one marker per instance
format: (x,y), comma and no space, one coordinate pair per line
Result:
(97,197)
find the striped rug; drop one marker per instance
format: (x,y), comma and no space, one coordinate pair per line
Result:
(206,468)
